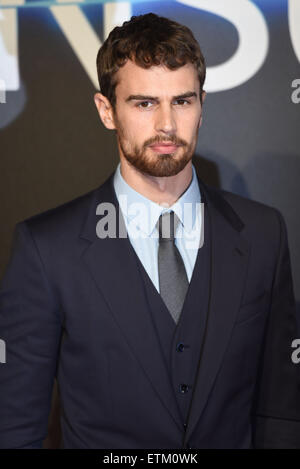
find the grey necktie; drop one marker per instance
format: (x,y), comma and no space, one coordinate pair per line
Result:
(173,281)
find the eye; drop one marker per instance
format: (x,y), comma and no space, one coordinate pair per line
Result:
(143,104)
(181,101)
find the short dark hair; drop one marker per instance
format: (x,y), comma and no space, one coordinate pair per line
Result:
(147,40)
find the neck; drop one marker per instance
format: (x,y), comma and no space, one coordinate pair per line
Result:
(161,190)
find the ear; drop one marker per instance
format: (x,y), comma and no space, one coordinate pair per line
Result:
(203,95)
(105,110)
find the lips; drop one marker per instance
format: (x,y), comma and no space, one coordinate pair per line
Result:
(164,148)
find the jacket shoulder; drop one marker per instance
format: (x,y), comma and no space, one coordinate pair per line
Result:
(255,219)
(65,217)
(243,205)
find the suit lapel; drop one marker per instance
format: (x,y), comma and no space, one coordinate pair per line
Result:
(112,264)
(228,266)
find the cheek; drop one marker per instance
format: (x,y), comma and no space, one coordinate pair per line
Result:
(188,124)
(139,128)
(132,122)
(188,132)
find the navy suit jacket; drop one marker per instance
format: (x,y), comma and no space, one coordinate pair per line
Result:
(72,307)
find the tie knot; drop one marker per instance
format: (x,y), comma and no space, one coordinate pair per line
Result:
(167,225)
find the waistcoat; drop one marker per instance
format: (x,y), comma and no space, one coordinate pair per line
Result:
(181,343)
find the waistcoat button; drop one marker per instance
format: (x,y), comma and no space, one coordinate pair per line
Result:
(180,347)
(183,388)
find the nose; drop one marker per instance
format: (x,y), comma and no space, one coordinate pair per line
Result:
(165,120)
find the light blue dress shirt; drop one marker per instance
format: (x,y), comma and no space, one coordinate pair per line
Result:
(141,219)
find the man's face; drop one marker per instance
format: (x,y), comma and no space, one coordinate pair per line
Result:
(157,117)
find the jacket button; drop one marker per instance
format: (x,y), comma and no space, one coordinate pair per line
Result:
(180,347)
(183,388)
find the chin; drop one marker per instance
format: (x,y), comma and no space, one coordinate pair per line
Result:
(163,171)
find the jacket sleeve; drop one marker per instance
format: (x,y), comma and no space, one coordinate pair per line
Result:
(35,445)
(30,326)
(276,416)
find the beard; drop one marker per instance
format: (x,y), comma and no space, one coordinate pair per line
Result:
(147,161)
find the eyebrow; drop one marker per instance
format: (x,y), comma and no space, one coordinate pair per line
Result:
(140,97)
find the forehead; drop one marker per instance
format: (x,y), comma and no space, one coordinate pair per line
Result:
(158,79)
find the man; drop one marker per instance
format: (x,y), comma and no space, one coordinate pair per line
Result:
(176,335)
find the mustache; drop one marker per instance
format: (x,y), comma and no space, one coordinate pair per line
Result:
(172,139)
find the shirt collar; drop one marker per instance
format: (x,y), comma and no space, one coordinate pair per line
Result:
(185,207)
